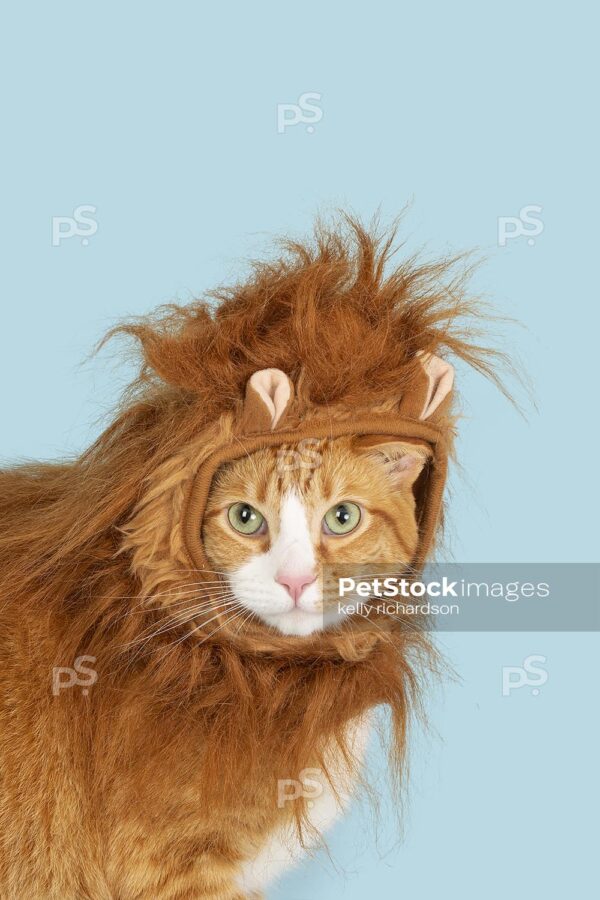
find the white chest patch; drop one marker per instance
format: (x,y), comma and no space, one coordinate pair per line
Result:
(282,849)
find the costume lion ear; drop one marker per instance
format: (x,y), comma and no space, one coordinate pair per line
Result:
(440,376)
(433,386)
(269,393)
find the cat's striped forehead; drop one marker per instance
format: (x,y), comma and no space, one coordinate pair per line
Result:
(304,468)
(314,469)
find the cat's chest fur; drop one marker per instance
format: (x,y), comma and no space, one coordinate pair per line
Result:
(281,849)
(170,823)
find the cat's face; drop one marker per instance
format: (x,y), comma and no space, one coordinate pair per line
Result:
(280,517)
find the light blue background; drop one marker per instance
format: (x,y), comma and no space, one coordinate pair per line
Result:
(163,116)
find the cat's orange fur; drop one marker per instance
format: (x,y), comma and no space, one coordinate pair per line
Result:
(155,781)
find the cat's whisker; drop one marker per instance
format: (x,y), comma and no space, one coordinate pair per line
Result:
(362,569)
(164,630)
(200,596)
(172,590)
(178,596)
(145,605)
(181,618)
(198,606)
(227,622)
(250,615)
(202,571)
(203,625)
(165,627)
(405,622)
(145,602)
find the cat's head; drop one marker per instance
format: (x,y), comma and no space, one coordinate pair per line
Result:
(287,498)
(279,519)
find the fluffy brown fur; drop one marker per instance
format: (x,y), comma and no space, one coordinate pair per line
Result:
(157,781)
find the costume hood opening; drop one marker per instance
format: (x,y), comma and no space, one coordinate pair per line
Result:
(272,414)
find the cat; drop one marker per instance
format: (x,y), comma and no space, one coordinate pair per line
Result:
(184,706)
(274,521)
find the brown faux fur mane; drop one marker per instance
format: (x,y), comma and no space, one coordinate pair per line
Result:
(91,557)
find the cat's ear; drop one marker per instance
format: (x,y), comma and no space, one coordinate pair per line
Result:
(434,384)
(403,461)
(269,393)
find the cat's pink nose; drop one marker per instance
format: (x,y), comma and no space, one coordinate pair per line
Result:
(295,584)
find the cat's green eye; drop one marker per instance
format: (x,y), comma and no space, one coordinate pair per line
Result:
(245,519)
(342,518)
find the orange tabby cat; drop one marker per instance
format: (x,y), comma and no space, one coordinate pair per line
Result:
(274,522)
(177,682)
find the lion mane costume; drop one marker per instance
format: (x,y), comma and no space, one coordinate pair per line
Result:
(157,779)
